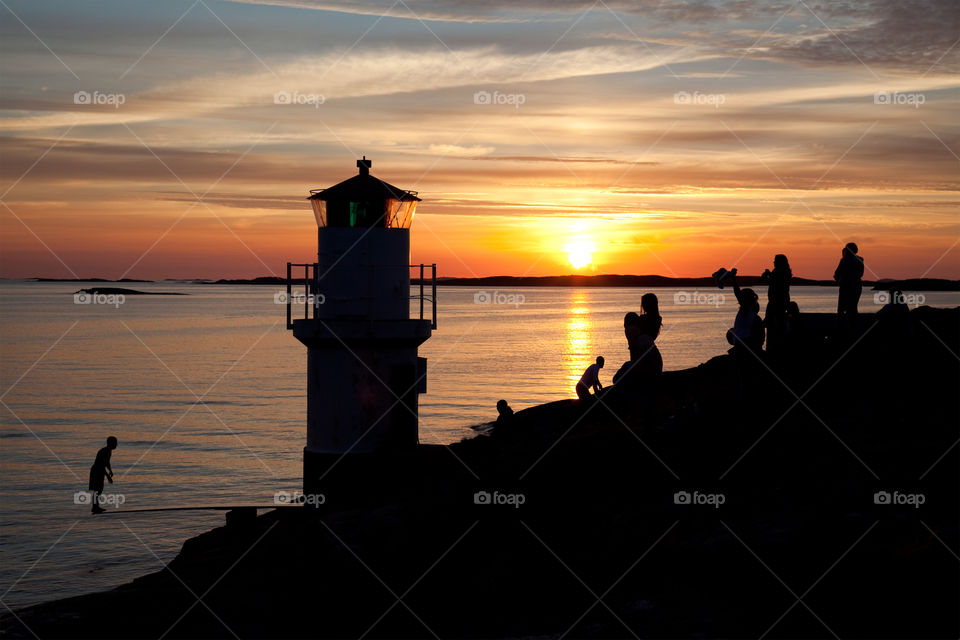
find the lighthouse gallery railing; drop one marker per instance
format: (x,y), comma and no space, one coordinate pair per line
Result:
(313,297)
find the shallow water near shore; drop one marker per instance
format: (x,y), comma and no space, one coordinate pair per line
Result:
(206,393)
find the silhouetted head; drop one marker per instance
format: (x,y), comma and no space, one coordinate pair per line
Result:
(600,361)
(112,442)
(503,407)
(631,319)
(650,304)
(851,248)
(780,262)
(750,299)
(793,309)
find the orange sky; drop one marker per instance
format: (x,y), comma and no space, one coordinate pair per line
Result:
(654,140)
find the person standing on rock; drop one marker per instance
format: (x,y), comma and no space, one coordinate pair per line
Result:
(849,276)
(778,299)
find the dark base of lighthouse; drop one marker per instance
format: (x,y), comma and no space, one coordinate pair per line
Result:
(359,479)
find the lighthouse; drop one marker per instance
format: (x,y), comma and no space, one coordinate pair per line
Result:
(363,372)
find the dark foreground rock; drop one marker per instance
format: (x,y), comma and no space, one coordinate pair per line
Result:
(816,498)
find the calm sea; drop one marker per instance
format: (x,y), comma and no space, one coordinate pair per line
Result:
(206,393)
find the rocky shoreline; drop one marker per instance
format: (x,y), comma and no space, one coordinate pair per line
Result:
(783,503)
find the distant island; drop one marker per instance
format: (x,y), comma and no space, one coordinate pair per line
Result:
(86,280)
(119,291)
(575,280)
(613,280)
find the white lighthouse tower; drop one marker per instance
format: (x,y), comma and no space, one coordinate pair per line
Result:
(363,372)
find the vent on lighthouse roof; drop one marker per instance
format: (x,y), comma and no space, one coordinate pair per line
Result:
(364,201)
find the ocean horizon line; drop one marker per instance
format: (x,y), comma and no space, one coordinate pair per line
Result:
(566,280)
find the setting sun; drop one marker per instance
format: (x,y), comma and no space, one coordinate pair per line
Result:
(580,254)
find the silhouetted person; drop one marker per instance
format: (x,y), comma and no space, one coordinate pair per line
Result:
(101,468)
(505,417)
(747,331)
(849,276)
(894,319)
(896,305)
(746,336)
(590,380)
(650,319)
(641,331)
(778,297)
(647,323)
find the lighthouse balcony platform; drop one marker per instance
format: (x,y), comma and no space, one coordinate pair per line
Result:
(369,294)
(311,331)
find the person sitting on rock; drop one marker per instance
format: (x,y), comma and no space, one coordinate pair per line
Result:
(642,331)
(505,417)
(894,319)
(747,331)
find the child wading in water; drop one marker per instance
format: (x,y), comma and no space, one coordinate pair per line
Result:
(101,468)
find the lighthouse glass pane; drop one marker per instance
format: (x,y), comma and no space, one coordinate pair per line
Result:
(399,213)
(320,212)
(364,214)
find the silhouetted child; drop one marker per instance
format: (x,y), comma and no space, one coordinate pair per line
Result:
(778,298)
(849,276)
(101,468)
(590,380)
(505,417)
(894,318)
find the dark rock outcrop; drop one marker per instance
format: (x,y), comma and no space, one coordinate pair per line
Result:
(736,500)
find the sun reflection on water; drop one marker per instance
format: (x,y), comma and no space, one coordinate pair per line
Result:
(579,339)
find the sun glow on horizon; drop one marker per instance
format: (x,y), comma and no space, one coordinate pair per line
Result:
(579,253)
